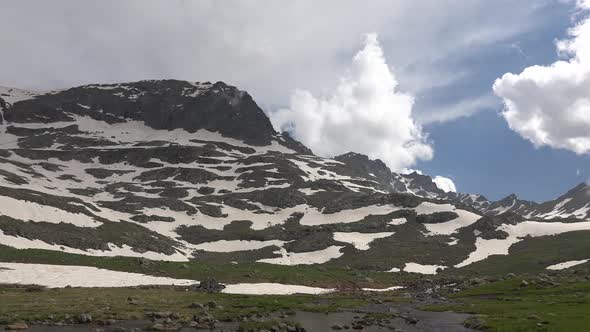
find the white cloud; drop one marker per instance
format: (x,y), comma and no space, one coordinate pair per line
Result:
(461,109)
(445,184)
(550,105)
(266,47)
(365,113)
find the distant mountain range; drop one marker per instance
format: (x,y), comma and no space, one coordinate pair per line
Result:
(175,170)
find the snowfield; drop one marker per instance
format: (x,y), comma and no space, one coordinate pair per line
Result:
(59,276)
(516,233)
(304,258)
(30,211)
(465,218)
(66,154)
(236,245)
(313,217)
(567,265)
(273,289)
(422,269)
(125,250)
(360,241)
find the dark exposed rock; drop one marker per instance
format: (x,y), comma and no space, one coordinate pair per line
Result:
(436,218)
(166,105)
(209,285)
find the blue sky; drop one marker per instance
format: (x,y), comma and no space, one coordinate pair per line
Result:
(480,153)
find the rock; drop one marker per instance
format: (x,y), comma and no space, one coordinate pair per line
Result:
(162,315)
(16,327)
(475,323)
(134,301)
(337,327)
(208,285)
(84,318)
(34,288)
(163,327)
(524,283)
(196,305)
(477,281)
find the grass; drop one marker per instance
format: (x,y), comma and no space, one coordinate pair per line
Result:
(57,305)
(326,276)
(504,306)
(533,255)
(261,326)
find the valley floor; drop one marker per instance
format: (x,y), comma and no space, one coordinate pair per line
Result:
(559,301)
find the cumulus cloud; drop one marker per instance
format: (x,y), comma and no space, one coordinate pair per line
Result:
(550,105)
(445,184)
(266,47)
(365,113)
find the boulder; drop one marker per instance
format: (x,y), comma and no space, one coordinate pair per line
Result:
(17,327)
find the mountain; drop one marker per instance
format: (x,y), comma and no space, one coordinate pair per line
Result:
(183,171)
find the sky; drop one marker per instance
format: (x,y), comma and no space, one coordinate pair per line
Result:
(490,96)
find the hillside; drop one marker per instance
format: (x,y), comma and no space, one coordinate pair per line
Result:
(194,172)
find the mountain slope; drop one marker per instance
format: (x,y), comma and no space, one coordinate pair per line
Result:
(178,171)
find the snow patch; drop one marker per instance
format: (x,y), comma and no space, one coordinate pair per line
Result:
(313,217)
(58,276)
(360,241)
(388,289)
(566,265)
(273,289)
(422,269)
(237,245)
(304,258)
(516,233)
(465,218)
(30,211)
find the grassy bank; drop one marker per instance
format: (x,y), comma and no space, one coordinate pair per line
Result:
(507,306)
(63,305)
(317,276)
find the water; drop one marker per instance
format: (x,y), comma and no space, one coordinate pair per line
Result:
(316,322)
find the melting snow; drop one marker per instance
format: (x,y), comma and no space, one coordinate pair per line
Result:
(465,218)
(422,269)
(58,276)
(313,217)
(24,243)
(360,241)
(566,265)
(30,211)
(55,276)
(237,245)
(397,221)
(516,233)
(304,258)
(388,289)
(273,289)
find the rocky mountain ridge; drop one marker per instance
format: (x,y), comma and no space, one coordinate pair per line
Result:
(172,170)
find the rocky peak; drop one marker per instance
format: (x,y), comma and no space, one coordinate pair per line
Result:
(423,185)
(508,200)
(160,104)
(374,170)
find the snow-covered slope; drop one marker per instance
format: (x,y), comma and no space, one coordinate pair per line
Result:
(173,170)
